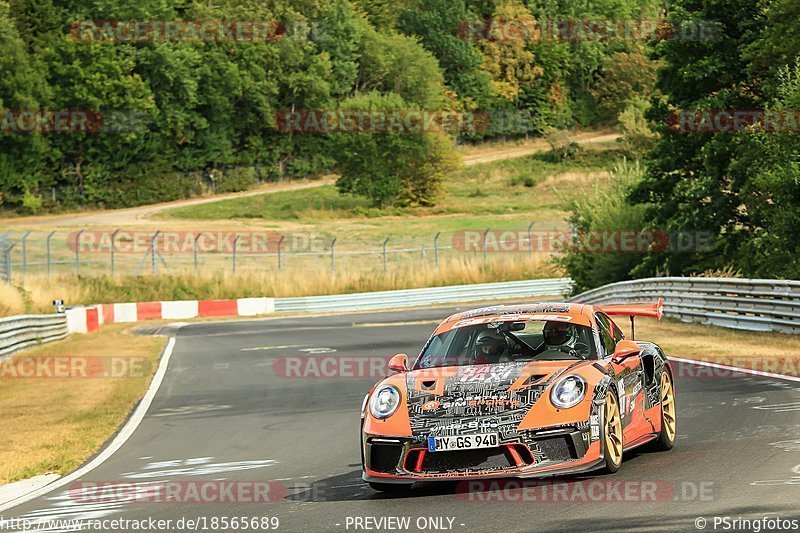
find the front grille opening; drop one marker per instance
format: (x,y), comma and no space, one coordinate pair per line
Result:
(461,460)
(557,448)
(384,457)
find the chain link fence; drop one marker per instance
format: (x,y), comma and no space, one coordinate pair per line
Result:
(5,258)
(121,252)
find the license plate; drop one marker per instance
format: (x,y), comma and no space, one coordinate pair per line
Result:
(463,442)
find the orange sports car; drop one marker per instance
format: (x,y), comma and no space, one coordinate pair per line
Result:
(519,391)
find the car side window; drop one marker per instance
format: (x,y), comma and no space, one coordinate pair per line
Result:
(606,338)
(616,333)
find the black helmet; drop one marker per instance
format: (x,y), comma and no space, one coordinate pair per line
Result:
(490,343)
(558,333)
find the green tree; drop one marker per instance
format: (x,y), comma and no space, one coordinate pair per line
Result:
(690,184)
(22,89)
(401,167)
(438,23)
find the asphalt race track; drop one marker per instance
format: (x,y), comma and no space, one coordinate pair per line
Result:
(222,413)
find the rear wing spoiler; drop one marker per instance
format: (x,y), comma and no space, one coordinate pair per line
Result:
(655,310)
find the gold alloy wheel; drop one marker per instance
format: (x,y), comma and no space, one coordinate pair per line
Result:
(613,430)
(667,406)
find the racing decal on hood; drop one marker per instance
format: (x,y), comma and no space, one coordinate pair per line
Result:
(474,399)
(487,399)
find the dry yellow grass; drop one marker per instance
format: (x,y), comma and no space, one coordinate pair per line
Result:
(55,424)
(37,292)
(759,350)
(11,301)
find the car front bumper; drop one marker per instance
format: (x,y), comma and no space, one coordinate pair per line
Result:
(545,452)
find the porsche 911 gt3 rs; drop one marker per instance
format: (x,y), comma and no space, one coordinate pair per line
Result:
(519,391)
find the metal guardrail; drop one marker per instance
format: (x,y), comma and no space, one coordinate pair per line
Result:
(18,332)
(750,304)
(429,295)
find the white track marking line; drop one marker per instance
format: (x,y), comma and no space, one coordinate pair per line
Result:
(735,369)
(124,434)
(260,348)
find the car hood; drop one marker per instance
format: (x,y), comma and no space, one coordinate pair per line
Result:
(452,400)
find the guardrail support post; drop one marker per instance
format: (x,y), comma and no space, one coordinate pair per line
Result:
(530,237)
(78,253)
(113,247)
(280,245)
(49,263)
(25,253)
(333,256)
(153,252)
(235,246)
(194,249)
(8,262)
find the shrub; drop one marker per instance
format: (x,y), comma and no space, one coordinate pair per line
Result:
(605,210)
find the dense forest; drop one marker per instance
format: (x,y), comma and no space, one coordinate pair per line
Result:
(99,114)
(738,181)
(167,117)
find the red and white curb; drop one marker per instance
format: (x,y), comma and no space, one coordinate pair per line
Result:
(89,319)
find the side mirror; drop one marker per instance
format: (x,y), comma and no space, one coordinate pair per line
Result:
(398,363)
(625,349)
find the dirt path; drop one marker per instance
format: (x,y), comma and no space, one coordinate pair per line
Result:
(144,214)
(533,147)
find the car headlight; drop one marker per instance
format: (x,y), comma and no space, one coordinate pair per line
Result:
(568,391)
(384,402)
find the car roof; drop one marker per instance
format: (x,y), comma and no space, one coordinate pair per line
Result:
(574,313)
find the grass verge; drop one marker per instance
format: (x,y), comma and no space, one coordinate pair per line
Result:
(766,351)
(54,424)
(36,294)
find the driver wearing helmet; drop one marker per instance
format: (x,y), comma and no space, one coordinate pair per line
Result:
(560,336)
(490,346)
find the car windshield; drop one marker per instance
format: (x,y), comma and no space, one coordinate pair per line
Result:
(507,342)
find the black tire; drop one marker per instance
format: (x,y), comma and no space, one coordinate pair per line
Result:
(390,487)
(666,437)
(612,435)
